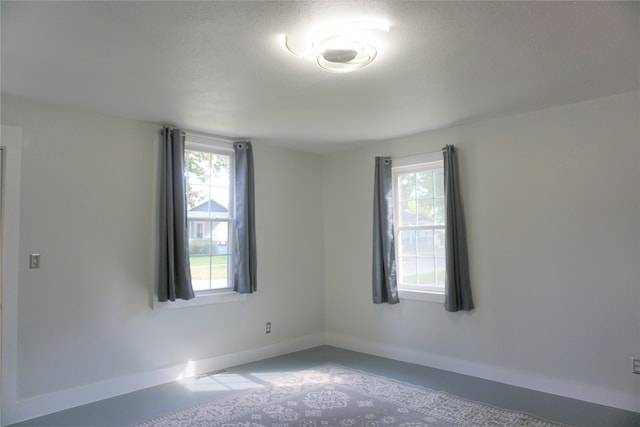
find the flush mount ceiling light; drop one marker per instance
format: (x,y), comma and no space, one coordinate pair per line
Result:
(342,48)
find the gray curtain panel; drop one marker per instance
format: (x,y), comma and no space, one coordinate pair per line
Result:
(174,278)
(245,272)
(385,285)
(457,283)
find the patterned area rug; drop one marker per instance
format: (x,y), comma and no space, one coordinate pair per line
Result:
(336,396)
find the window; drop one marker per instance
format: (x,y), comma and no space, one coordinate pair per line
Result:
(209,181)
(419,225)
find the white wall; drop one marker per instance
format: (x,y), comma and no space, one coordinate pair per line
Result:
(552,203)
(552,207)
(88,207)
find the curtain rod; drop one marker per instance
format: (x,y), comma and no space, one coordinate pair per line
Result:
(214,137)
(218,138)
(418,155)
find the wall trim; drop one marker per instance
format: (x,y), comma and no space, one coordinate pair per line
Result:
(64,399)
(585,392)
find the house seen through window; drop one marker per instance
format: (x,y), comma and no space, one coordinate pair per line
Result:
(209,175)
(419,223)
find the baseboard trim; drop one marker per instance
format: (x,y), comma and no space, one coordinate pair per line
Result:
(65,399)
(588,393)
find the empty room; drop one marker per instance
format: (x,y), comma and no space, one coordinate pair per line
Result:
(320,213)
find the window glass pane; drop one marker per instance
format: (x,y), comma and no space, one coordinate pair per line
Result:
(220,165)
(216,208)
(199,237)
(426,212)
(208,179)
(220,254)
(209,254)
(197,196)
(438,206)
(220,172)
(420,240)
(219,271)
(209,272)
(441,269)
(407,186)
(197,165)
(425,243)
(408,273)
(426,271)
(424,185)
(439,243)
(408,213)
(220,237)
(438,178)
(200,272)
(407,244)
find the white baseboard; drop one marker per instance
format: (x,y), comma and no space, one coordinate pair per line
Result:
(57,401)
(588,393)
(64,399)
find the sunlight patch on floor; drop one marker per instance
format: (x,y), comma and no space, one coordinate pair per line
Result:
(226,381)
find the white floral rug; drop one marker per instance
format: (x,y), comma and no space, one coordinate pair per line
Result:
(336,396)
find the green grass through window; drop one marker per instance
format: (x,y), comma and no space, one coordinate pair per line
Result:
(208,267)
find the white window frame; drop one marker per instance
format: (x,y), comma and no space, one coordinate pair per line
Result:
(212,296)
(400,166)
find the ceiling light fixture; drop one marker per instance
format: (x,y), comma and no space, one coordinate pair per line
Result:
(342,48)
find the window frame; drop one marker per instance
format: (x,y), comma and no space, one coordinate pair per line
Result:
(403,165)
(213,146)
(223,295)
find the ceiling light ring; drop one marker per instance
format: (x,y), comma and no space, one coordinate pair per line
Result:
(346,35)
(364,53)
(336,67)
(348,28)
(342,47)
(343,43)
(357,63)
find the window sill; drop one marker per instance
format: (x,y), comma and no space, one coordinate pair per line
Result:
(201,299)
(421,296)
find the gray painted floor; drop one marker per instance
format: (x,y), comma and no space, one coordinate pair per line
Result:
(156,401)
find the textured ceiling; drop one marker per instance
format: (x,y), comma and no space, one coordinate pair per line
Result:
(218,67)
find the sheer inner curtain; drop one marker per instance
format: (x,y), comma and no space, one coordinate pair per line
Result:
(457,282)
(174,275)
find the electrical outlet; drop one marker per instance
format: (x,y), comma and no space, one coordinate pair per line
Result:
(636,365)
(268,328)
